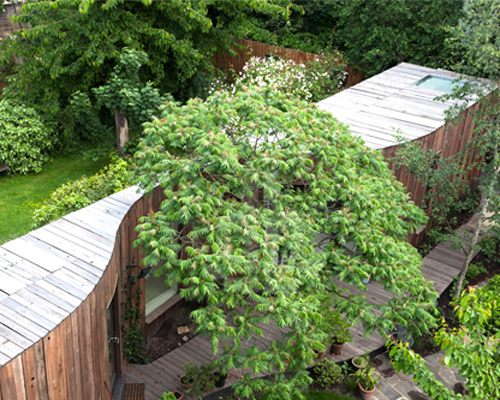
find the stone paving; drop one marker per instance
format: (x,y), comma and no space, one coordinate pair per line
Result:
(397,386)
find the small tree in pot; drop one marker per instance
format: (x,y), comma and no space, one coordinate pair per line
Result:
(366,382)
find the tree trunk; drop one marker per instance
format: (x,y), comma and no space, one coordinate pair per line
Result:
(122,135)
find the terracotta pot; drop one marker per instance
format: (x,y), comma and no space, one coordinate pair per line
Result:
(185,386)
(178,395)
(320,355)
(336,349)
(366,394)
(357,365)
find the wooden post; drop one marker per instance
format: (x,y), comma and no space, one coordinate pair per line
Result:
(122,135)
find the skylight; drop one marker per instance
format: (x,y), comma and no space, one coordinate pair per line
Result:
(437,83)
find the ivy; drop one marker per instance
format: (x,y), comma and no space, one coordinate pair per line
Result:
(134,348)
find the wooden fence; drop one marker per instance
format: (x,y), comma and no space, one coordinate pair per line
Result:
(227,62)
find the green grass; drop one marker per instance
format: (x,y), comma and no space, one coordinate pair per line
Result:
(320,395)
(20,195)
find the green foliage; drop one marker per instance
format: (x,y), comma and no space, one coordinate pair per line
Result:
(134,347)
(376,35)
(84,121)
(250,179)
(334,323)
(125,92)
(24,139)
(312,81)
(475,39)
(365,377)
(327,373)
(443,178)
(490,246)
(70,46)
(308,29)
(80,193)
(471,348)
(168,396)
(490,294)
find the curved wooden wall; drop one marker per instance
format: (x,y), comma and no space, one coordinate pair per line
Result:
(55,286)
(450,139)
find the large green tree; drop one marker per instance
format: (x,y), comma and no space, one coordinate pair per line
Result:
(269,199)
(376,35)
(74,45)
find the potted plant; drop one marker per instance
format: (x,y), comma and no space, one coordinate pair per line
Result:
(220,378)
(175,395)
(203,378)
(366,382)
(360,362)
(187,380)
(336,326)
(339,332)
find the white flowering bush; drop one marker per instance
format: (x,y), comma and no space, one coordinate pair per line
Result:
(312,81)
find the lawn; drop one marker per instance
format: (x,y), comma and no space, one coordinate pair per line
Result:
(20,195)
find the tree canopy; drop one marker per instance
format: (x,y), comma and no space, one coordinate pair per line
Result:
(375,35)
(268,199)
(74,45)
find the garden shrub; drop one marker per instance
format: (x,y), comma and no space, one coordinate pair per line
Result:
(328,373)
(312,81)
(24,139)
(80,193)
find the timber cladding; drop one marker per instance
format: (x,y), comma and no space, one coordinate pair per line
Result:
(53,328)
(393,104)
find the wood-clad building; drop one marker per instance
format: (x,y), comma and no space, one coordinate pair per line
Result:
(62,286)
(61,291)
(401,102)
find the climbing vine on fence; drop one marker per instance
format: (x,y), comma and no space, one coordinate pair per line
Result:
(134,347)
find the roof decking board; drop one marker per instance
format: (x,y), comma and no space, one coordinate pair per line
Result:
(390,100)
(73,231)
(49,272)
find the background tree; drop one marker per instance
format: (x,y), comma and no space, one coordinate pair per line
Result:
(127,97)
(376,35)
(372,35)
(73,46)
(253,180)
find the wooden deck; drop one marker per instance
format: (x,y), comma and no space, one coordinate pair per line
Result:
(374,108)
(440,266)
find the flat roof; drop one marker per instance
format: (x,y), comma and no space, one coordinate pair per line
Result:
(376,107)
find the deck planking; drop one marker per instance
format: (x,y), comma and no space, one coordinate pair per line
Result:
(391,100)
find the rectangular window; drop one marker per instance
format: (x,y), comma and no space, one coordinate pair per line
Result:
(157,292)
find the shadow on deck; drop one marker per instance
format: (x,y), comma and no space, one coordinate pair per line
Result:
(162,375)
